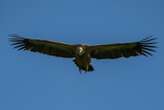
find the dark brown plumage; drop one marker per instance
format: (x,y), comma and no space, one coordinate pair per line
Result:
(82,54)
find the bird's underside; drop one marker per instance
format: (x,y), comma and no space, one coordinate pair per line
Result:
(82,54)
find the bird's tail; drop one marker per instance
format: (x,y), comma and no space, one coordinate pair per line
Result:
(90,68)
(84,67)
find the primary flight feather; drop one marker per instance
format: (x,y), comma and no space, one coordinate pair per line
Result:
(82,54)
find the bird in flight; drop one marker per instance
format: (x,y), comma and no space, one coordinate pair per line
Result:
(82,54)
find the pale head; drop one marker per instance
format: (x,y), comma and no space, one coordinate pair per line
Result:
(80,50)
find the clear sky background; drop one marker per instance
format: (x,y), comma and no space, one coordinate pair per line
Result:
(30,81)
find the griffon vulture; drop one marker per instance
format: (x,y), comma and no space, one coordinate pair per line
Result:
(82,54)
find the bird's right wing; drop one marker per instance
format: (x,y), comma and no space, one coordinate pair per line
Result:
(43,46)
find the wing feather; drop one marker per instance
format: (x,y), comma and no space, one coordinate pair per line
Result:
(144,47)
(43,46)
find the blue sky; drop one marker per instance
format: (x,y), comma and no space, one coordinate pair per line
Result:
(30,81)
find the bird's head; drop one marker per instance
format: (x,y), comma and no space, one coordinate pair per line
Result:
(81,50)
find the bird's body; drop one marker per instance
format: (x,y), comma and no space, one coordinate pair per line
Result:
(83,54)
(83,58)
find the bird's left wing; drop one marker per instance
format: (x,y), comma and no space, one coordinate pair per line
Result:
(112,51)
(43,46)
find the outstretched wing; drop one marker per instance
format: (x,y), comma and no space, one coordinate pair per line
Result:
(43,46)
(144,47)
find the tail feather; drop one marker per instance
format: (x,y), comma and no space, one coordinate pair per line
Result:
(81,67)
(91,68)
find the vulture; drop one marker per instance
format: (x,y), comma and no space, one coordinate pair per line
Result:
(81,53)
